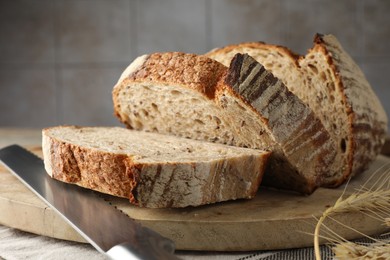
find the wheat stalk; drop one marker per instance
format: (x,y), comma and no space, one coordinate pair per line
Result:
(349,250)
(375,202)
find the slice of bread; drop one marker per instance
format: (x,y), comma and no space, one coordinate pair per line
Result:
(331,83)
(150,169)
(244,105)
(341,96)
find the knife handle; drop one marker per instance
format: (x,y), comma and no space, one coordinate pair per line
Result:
(126,251)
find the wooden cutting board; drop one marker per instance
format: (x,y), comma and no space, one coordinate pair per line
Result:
(272,220)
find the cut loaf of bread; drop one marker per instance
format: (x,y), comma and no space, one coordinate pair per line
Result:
(331,83)
(244,105)
(150,169)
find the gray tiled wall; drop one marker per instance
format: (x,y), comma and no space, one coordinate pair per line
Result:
(59,59)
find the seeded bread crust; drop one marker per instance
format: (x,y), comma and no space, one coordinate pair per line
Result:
(263,119)
(109,162)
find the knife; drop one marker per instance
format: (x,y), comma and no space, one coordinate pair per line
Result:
(109,230)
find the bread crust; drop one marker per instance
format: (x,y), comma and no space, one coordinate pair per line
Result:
(193,71)
(105,172)
(173,68)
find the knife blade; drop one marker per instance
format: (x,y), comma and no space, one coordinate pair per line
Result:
(109,230)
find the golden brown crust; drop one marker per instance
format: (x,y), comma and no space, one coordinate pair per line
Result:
(59,165)
(105,172)
(174,68)
(190,70)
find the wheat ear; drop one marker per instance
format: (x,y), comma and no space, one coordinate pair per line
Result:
(375,199)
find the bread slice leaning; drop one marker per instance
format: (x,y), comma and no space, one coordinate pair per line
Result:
(244,105)
(152,170)
(343,99)
(332,84)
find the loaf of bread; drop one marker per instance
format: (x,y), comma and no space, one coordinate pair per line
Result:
(315,117)
(244,105)
(334,87)
(150,169)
